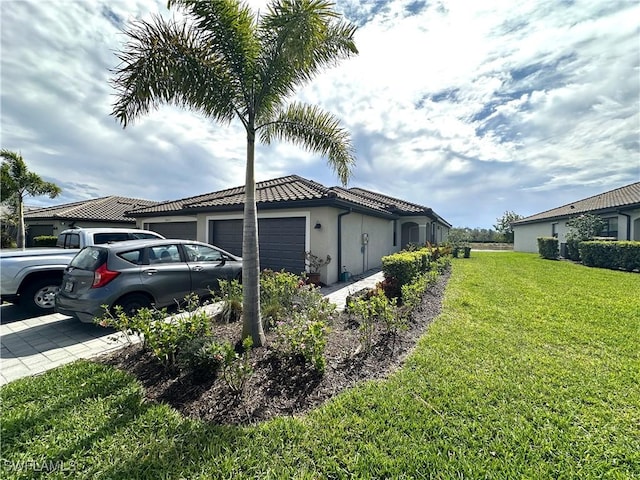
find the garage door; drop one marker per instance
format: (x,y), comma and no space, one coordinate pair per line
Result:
(181,230)
(282,241)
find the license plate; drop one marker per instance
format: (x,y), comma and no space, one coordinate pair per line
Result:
(68,286)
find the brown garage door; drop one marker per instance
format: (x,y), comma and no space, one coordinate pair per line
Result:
(282,241)
(181,230)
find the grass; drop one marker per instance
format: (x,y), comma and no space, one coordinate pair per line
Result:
(531,371)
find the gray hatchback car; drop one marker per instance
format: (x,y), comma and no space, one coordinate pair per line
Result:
(142,273)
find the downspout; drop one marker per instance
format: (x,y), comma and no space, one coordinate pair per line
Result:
(340,215)
(628,224)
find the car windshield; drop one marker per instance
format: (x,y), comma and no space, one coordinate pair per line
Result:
(89,258)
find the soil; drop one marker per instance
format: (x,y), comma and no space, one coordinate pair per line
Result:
(279,386)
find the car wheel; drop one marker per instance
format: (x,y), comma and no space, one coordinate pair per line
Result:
(132,303)
(39,296)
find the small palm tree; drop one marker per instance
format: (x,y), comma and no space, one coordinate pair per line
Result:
(17,183)
(228,63)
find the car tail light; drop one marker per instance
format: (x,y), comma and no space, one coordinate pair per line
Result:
(102,276)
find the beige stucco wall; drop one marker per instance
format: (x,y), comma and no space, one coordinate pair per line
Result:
(323,241)
(356,257)
(526,236)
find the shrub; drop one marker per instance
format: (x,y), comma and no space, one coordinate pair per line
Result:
(614,255)
(548,247)
(45,241)
(404,267)
(163,337)
(582,228)
(573,251)
(360,308)
(278,291)
(629,255)
(598,254)
(302,336)
(236,367)
(201,355)
(231,295)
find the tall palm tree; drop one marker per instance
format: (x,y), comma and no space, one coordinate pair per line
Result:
(17,183)
(228,63)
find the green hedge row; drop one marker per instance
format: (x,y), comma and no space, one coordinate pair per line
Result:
(406,266)
(614,255)
(45,241)
(548,247)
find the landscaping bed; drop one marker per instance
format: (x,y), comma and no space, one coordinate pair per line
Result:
(280,386)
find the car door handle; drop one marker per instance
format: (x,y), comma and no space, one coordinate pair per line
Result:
(151,271)
(197,268)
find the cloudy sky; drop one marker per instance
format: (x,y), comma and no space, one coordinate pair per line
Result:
(469,107)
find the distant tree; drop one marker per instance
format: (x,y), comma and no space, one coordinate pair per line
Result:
(503,225)
(17,183)
(465,234)
(227,62)
(459,236)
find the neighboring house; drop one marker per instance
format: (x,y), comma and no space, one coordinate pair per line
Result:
(98,212)
(354,226)
(619,208)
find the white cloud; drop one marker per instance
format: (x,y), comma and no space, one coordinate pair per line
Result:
(458,105)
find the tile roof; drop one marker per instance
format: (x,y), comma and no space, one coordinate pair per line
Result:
(110,208)
(292,188)
(620,198)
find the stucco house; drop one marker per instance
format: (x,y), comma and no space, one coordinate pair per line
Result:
(356,227)
(619,208)
(98,212)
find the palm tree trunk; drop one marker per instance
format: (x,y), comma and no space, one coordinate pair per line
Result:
(252,323)
(21,228)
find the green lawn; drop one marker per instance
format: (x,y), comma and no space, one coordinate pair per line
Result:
(531,371)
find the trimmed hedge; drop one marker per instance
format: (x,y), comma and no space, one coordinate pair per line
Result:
(548,247)
(613,255)
(405,266)
(45,241)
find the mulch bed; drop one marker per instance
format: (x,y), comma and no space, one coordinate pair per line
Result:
(278,386)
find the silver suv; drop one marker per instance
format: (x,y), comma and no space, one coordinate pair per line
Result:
(142,273)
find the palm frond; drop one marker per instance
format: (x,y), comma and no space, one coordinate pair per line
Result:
(231,28)
(299,38)
(315,130)
(164,62)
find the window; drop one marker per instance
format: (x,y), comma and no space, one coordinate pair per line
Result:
(164,254)
(89,258)
(134,256)
(101,238)
(202,253)
(554,230)
(68,240)
(610,228)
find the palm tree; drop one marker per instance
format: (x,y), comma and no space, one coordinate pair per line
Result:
(18,182)
(228,63)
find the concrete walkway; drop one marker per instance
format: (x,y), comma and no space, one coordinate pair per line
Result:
(32,346)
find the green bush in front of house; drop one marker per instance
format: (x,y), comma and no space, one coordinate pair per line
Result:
(548,247)
(406,266)
(614,255)
(45,241)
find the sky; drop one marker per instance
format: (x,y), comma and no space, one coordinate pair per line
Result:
(472,108)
